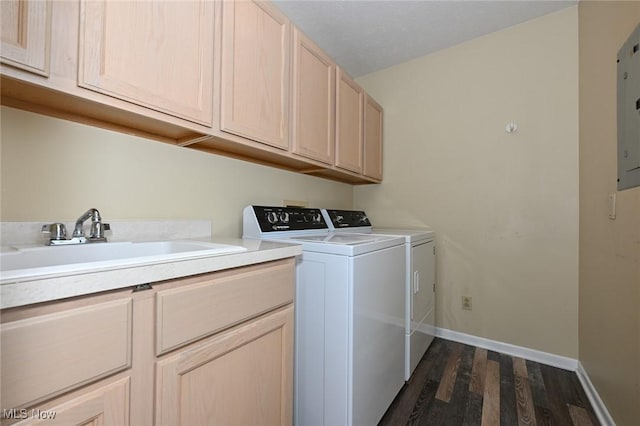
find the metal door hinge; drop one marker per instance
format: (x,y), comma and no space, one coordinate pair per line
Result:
(141,287)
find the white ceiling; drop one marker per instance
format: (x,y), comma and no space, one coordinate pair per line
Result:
(367,36)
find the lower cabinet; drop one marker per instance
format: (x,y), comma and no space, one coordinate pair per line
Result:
(93,360)
(46,355)
(240,377)
(107,405)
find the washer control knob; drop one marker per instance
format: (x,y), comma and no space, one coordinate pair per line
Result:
(272,217)
(316,218)
(339,218)
(284,217)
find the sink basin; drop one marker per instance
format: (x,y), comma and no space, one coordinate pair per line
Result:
(27,262)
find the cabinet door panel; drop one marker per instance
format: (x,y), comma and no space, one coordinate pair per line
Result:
(255,72)
(26,26)
(313,100)
(190,312)
(349,123)
(240,377)
(372,139)
(157,54)
(108,405)
(47,355)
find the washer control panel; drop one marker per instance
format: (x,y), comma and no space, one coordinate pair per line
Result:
(348,218)
(288,218)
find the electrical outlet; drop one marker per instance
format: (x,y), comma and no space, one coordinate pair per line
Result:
(467,303)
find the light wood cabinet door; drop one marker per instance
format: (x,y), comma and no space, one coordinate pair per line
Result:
(372,138)
(240,377)
(26,26)
(106,406)
(255,72)
(349,123)
(210,303)
(157,54)
(313,100)
(48,355)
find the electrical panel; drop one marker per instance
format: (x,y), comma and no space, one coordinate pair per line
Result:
(629,112)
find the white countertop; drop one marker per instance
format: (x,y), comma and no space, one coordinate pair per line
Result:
(46,289)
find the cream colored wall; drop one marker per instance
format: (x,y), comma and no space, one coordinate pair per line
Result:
(54,170)
(504,206)
(609,249)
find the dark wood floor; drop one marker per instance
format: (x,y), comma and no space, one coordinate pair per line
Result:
(457,384)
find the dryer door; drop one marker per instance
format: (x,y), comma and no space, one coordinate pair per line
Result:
(423,282)
(422,305)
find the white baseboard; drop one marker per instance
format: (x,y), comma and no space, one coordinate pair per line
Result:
(509,349)
(538,356)
(598,406)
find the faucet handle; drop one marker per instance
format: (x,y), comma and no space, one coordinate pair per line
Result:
(97,230)
(56,231)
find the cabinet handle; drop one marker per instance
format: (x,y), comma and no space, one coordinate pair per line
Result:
(417,281)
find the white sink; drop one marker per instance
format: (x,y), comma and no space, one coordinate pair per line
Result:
(19,263)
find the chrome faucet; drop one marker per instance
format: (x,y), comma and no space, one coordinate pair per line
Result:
(97,227)
(58,232)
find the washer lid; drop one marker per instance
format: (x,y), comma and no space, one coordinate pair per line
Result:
(345,239)
(345,244)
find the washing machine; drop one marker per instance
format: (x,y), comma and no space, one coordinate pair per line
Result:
(349,316)
(420,281)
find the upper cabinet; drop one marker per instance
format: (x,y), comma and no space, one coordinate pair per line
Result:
(349,123)
(229,77)
(372,138)
(255,72)
(26,29)
(313,100)
(156,54)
